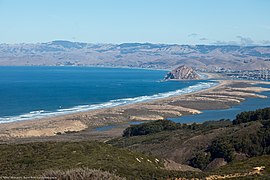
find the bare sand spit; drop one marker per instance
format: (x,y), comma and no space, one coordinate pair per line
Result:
(222,96)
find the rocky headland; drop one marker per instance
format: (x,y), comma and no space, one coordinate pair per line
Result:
(182,73)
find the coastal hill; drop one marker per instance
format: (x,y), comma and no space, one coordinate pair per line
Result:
(154,150)
(142,55)
(212,146)
(182,73)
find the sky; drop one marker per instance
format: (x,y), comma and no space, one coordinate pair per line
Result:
(243,22)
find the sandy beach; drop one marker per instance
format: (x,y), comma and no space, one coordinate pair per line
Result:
(81,125)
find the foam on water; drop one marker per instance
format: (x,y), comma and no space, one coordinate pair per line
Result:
(113,103)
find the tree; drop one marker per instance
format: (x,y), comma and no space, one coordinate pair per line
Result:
(221,148)
(201,160)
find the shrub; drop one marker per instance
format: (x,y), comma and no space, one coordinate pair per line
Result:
(81,174)
(221,148)
(248,116)
(150,128)
(201,160)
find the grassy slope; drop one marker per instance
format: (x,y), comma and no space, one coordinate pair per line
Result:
(33,159)
(187,142)
(178,145)
(246,166)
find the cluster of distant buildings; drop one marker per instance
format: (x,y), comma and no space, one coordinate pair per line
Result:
(262,74)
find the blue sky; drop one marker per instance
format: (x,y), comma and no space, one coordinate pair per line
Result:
(244,22)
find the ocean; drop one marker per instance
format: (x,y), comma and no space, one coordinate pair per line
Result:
(37,92)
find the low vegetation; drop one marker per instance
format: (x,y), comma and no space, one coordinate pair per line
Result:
(70,159)
(252,138)
(198,145)
(81,173)
(245,166)
(167,125)
(150,128)
(248,116)
(243,144)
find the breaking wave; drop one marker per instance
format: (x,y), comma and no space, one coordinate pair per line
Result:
(113,103)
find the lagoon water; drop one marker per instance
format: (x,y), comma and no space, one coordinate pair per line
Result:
(208,115)
(36,92)
(213,115)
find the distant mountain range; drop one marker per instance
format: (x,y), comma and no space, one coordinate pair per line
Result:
(142,55)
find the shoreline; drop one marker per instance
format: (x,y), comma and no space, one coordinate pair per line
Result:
(112,67)
(41,114)
(221,96)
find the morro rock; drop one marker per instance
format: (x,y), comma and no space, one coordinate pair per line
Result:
(182,73)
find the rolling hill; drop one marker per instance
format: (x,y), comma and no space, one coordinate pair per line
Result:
(139,55)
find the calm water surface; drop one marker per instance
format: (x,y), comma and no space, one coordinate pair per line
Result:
(35,92)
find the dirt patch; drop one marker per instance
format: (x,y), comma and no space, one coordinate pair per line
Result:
(171,165)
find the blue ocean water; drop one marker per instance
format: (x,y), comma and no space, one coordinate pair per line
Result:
(36,92)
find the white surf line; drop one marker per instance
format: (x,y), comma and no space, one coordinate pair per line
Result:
(113,103)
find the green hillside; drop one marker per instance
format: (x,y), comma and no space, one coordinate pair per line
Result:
(218,148)
(35,159)
(201,145)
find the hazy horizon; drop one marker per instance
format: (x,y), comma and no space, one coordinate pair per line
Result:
(104,43)
(242,22)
